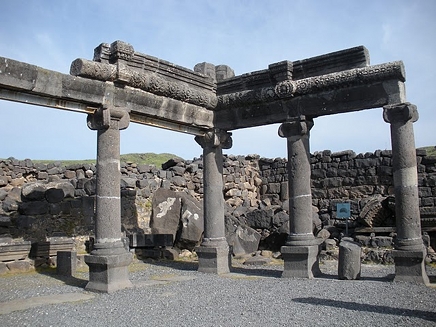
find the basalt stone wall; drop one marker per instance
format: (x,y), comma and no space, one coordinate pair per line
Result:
(357,179)
(39,201)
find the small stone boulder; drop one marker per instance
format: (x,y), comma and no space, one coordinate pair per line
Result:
(33,191)
(242,238)
(349,266)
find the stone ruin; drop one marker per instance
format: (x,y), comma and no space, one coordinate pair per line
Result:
(121,86)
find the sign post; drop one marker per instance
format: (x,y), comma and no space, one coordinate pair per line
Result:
(343,211)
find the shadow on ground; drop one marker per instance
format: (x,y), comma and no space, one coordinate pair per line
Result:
(68,280)
(430,316)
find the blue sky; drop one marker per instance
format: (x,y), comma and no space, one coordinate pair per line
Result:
(246,35)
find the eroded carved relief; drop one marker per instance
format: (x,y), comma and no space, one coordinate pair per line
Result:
(145,81)
(311,85)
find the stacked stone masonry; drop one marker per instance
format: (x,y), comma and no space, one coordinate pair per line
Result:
(40,201)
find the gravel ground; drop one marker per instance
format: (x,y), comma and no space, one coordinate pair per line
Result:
(175,294)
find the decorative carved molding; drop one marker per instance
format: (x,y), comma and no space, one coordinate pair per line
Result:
(312,85)
(149,82)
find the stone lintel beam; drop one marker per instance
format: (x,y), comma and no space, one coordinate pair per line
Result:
(329,102)
(31,84)
(312,85)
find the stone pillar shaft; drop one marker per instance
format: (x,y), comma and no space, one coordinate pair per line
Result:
(300,196)
(213,194)
(409,253)
(401,118)
(213,253)
(300,254)
(108,202)
(299,171)
(109,259)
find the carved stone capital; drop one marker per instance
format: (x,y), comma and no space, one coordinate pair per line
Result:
(400,113)
(105,118)
(214,138)
(297,128)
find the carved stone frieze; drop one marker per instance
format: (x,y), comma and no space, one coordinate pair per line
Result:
(149,82)
(317,84)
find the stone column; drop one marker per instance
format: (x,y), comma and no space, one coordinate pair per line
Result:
(109,259)
(409,253)
(213,253)
(301,250)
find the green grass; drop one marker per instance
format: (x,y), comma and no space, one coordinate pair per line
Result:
(431,150)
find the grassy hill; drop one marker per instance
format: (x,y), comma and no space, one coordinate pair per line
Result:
(138,158)
(160,158)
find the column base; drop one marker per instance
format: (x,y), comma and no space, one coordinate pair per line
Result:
(213,260)
(410,266)
(108,273)
(301,261)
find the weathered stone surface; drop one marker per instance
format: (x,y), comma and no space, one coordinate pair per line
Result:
(90,186)
(34,208)
(14,249)
(240,172)
(260,218)
(18,266)
(66,263)
(257,260)
(192,223)
(166,212)
(243,239)
(349,266)
(54,195)
(3,268)
(3,181)
(171,163)
(34,191)
(127,182)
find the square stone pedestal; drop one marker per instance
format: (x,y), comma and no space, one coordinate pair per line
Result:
(300,261)
(410,266)
(213,260)
(108,273)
